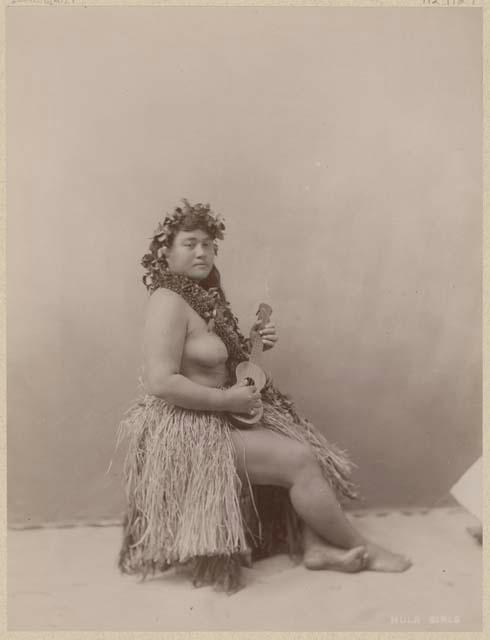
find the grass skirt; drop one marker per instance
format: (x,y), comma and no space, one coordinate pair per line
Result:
(186,505)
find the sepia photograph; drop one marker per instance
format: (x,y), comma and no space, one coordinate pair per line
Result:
(244,319)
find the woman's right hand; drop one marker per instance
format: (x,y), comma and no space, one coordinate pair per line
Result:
(242,398)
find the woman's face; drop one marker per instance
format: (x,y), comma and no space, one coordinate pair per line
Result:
(191,254)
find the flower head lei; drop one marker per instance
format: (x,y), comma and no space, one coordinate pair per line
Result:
(190,217)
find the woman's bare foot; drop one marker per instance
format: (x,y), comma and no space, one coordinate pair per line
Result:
(381,559)
(326,557)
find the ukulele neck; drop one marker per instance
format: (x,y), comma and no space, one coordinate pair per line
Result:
(257,348)
(263,315)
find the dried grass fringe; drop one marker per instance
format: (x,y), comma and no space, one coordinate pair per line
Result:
(186,504)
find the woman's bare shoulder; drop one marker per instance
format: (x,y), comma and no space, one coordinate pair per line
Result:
(166,294)
(167,301)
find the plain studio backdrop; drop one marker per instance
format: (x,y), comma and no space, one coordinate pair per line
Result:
(342,146)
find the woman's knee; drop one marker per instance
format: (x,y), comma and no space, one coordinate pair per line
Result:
(304,463)
(267,458)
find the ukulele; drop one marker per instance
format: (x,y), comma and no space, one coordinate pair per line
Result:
(250,372)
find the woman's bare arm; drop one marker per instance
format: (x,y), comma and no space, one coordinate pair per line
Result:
(164,337)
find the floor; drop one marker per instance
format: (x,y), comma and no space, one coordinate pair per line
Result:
(66,579)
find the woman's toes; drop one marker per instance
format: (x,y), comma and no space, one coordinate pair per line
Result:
(401,562)
(384,560)
(352,559)
(365,560)
(358,561)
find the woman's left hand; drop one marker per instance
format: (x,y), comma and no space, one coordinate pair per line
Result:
(268,334)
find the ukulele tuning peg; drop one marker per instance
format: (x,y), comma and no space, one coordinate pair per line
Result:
(264,310)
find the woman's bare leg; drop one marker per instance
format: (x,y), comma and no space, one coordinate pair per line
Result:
(270,458)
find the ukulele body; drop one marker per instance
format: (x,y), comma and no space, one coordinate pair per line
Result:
(249,369)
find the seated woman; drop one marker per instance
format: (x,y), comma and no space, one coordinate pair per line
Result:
(202,493)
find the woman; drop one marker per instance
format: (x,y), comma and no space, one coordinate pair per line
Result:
(201,493)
